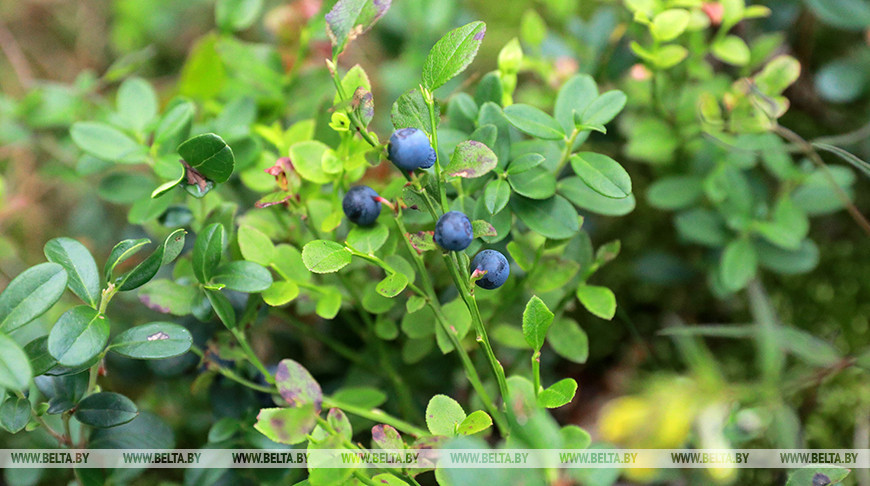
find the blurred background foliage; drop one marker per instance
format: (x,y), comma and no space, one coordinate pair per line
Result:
(639,387)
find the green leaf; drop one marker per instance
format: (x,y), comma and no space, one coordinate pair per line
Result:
(280,293)
(582,196)
(83,276)
(675,192)
(534,122)
(106,409)
(30,294)
(553,218)
(168,297)
(297,386)
(847,156)
(106,143)
(536,321)
(524,163)
(443,415)
(410,111)
(732,50)
(15,371)
(598,300)
(457,314)
(452,54)
(386,437)
(808,348)
(349,19)
(477,421)
(602,174)
(368,239)
(308,158)
(329,303)
(236,15)
(817,475)
(738,265)
(536,183)
(256,246)
(243,276)
(574,97)
(174,126)
(137,103)
(471,159)
(788,227)
(40,359)
(573,437)
(568,340)
(287,425)
(323,256)
(604,108)
(481,228)
(222,307)
(210,155)
(78,336)
(778,75)
(155,340)
(207,251)
(496,195)
(419,324)
(392,285)
(844,14)
(669,24)
(145,271)
(558,394)
(14,414)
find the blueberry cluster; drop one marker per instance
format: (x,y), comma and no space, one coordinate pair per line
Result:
(409,149)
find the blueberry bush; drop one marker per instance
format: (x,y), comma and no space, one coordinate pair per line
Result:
(355,224)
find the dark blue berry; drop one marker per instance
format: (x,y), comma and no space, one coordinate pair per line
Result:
(410,149)
(453,231)
(496,267)
(360,205)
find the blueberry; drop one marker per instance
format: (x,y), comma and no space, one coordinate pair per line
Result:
(410,149)
(360,205)
(496,267)
(453,231)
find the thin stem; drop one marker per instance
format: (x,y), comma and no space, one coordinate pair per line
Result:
(375,415)
(428,97)
(811,153)
(232,375)
(364,479)
(432,301)
(362,130)
(566,152)
(482,337)
(251,355)
(536,371)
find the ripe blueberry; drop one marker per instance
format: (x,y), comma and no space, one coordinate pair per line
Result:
(410,149)
(453,231)
(360,205)
(496,267)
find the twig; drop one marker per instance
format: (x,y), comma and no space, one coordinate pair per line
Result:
(811,153)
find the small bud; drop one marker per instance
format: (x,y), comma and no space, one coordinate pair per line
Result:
(511,57)
(715,11)
(339,122)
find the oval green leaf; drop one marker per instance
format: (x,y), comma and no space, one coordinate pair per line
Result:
(323,256)
(78,336)
(30,294)
(106,409)
(602,174)
(156,340)
(210,155)
(83,276)
(534,122)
